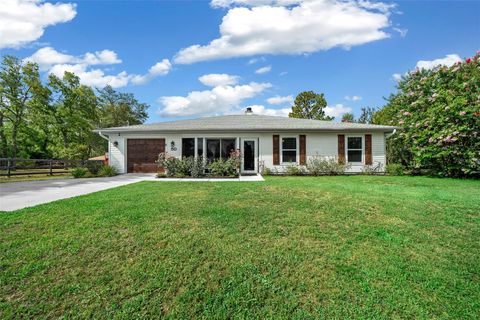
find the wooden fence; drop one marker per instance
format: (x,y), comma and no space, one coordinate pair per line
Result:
(19,166)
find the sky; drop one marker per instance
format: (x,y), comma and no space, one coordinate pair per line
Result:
(189,59)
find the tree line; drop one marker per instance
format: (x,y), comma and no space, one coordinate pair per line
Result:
(56,118)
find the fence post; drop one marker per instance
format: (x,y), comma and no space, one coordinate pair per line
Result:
(50,166)
(8,168)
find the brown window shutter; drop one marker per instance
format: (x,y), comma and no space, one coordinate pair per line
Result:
(341,148)
(303,149)
(368,149)
(276,149)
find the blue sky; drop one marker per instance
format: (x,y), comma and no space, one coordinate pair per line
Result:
(350,51)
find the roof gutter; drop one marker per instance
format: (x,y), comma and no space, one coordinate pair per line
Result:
(388,135)
(101,134)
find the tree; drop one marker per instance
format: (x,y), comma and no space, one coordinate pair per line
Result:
(309,105)
(120,109)
(366,115)
(19,82)
(348,117)
(73,110)
(439,112)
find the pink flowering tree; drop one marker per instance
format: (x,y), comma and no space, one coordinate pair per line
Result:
(439,111)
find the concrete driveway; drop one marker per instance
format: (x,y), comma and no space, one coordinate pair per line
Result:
(18,195)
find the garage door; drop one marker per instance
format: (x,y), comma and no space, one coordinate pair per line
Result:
(142,153)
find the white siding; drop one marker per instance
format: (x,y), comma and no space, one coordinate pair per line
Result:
(116,155)
(378,149)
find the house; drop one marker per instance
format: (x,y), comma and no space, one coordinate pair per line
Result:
(264,141)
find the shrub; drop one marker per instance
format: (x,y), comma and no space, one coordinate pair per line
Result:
(107,171)
(185,167)
(161,175)
(169,163)
(79,172)
(223,168)
(371,169)
(294,170)
(267,171)
(318,165)
(197,167)
(94,166)
(394,169)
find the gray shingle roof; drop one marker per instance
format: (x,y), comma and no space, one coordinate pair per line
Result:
(248,123)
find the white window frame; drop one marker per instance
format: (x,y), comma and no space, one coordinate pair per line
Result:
(296,150)
(362,137)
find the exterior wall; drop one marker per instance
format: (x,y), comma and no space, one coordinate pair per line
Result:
(116,154)
(321,144)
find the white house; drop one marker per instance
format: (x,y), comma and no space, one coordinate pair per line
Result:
(264,142)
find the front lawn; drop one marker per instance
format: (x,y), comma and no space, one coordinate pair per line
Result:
(291,247)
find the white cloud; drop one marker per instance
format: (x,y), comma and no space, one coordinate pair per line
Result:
(280,99)
(353,98)
(337,110)
(101,57)
(47,57)
(24,21)
(263,70)
(218,79)
(220,99)
(255,60)
(251,3)
(96,77)
(402,32)
(54,62)
(159,69)
(304,27)
(397,77)
(259,109)
(449,60)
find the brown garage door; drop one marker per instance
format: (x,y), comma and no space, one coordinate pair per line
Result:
(142,153)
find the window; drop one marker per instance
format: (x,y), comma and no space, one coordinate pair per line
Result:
(354,149)
(200,147)
(289,150)
(188,147)
(213,149)
(228,146)
(219,148)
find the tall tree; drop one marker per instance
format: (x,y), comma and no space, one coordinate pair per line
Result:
(309,105)
(366,115)
(348,117)
(19,83)
(120,109)
(73,108)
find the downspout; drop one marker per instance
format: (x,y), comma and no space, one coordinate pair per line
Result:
(387,135)
(106,138)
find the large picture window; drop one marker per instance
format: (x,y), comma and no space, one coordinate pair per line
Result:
(219,148)
(188,147)
(289,150)
(354,149)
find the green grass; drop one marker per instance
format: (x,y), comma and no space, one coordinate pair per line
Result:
(292,247)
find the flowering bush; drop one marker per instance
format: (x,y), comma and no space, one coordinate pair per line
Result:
(229,167)
(439,111)
(318,165)
(186,167)
(294,170)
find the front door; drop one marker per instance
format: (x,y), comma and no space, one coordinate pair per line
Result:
(249,163)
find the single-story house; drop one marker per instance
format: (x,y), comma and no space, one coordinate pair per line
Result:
(264,142)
